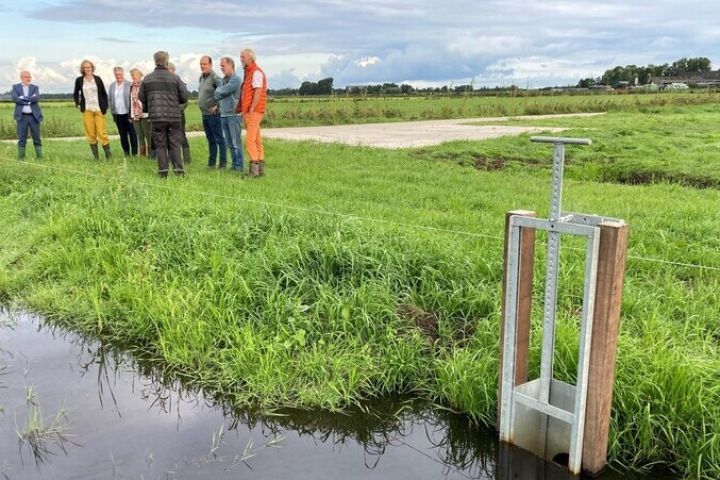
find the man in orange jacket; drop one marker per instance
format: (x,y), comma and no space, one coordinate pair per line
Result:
(253,98)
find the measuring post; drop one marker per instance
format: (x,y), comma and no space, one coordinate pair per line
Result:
(544,415)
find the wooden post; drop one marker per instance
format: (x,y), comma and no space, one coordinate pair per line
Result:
(525,279)
(603,353)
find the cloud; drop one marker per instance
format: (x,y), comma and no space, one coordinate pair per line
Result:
(284,79)
(543,70)
(42,74)
(501,41)
(115,40)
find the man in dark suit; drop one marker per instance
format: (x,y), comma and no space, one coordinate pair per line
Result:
(27,113)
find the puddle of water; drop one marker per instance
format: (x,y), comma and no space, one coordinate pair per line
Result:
(116,423)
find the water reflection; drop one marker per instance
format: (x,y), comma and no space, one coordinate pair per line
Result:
(456,443)
(385,436)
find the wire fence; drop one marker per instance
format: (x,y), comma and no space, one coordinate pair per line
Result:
(346,216)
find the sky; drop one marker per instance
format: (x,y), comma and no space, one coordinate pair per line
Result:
(529,43)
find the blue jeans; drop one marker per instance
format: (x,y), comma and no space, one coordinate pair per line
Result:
(231,131)
(214,134)
(28,122)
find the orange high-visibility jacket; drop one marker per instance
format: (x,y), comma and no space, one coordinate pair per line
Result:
(246,92)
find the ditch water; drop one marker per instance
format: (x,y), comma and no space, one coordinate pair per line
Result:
(88,412)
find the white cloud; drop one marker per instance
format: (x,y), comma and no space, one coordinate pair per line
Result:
(365,61)
(44,75)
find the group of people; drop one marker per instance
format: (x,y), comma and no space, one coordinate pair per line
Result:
(149,112)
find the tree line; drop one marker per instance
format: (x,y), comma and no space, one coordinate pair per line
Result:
(680,68)
(325,87)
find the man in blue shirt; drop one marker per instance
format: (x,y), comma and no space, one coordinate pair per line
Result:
(27,113)
(227,96)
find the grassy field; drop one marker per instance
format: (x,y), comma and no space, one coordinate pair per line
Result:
(351,273)
(62,119)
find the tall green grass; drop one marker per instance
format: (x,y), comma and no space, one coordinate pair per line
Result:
(253,291)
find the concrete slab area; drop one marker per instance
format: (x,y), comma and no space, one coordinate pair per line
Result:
(412,134)
(400,134)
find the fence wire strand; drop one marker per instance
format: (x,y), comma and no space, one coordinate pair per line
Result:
(346,216)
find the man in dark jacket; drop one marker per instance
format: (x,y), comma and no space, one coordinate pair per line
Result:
(27,113)
(162,93)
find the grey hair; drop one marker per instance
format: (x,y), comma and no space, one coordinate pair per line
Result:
(118,69)
(161,58)
(250,53)
(228,60)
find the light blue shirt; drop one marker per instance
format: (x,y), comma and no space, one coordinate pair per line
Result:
(227,95)
(26,94)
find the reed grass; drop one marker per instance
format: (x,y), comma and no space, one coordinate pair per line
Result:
(40,434)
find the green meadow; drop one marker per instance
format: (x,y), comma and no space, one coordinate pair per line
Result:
(353,273)
(62,119)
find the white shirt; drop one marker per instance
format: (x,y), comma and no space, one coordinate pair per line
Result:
(120,107)
(90,94)
(257,79)
(26,94)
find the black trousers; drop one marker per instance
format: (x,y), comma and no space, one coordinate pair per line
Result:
(128,137)
(167,140)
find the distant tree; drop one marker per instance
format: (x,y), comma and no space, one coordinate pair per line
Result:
(679,68)
(325,86)
(308,88)
(698,65)
(406,89)
(586,83)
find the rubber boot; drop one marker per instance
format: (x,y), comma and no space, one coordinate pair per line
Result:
(38,152)
(262,168)
(254,169)
(108,153)
(21,153)
(186,154)
(95,151)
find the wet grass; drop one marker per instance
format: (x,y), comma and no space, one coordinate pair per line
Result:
(62,119)
(341,277)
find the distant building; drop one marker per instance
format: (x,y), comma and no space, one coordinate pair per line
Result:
(648,87)
(697,80)
(676,86)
